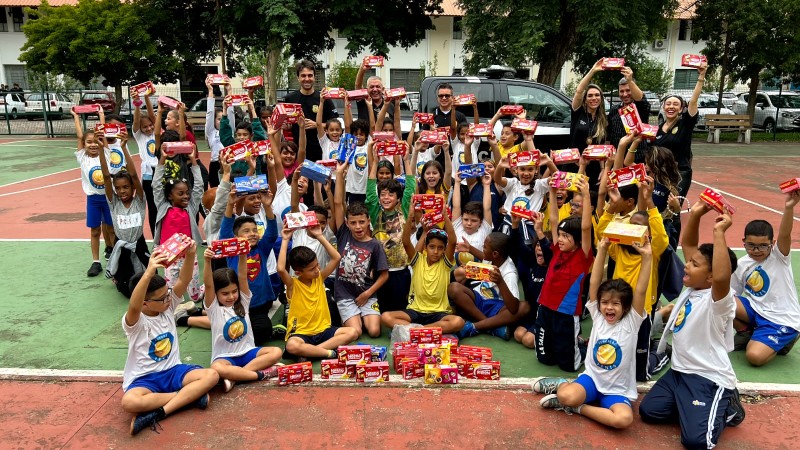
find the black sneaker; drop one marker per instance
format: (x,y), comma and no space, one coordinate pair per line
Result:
(95,270)
(741,339)
(108,252)
(147,420)
(734,415)
(202,402)
(785,350)
(278,332)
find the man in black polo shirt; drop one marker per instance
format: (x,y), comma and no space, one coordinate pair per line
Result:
(442,114)
(629,93)
(375,89)
(308,97)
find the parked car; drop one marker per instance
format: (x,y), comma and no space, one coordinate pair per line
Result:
(652,98)
(12,105)
(767,106)
(707,104)
(57,105)
(728,99)
(103,98)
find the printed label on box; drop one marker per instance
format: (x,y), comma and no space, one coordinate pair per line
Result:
(524,158)
(626,233)
(613,63)
(524,126)
(175,247)
(565,156)
(357,94)
(716,201)
(478,271)
(471,170)
(441,374)
(479,130)
(696,61)
(464,100)
(373,372)
(253,82)
(295,373)
(332,369)
(424,118)
(511,110)
(384,148)
(250,185)
(627,175)
(224,248)
(427,202)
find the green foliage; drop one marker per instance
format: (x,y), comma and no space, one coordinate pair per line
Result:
(430,68)
(342,74)
(652,75)
(50,82)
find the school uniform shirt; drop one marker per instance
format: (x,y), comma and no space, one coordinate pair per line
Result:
(91,174)
(770,287)
(152,343)
(429,284)
(679,139)
(512,149)
(563,212)
(581,129)
(360,264)
(231,334)
(490,291)
(611,356)
(147,152)
(308,309)
(330,150)
(515,194)
(699,342)
(212,134)
(475,239)
(115,157)
(458,155)
(424,157)
(564,282)
(282,201)
(127,220)
(358,171)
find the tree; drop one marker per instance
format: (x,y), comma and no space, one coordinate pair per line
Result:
(343,74)
(97,38)
(652,75)
(551,32)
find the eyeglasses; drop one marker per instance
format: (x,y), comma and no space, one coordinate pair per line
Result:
(444,95)
(760,247)
(160,299)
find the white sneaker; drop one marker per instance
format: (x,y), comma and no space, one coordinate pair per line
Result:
(229,384)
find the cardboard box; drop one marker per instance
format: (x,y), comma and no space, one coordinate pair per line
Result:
(648,132)
(237,99)
(218,78)
(386,136)
(424,118)
(695,61)
(441,374)
(479,130)
(471,170)
(598,152)
(169,102)
(295,373)
(329,163)
(332,369)
(790,186)
(143,89)
(373,372)
(626,233)
(403,354)
(511,110)
(478,271)
(260,148)
(86,109)
(378,353)
(357,94)
(473,353)
(175,247)
(110,130)
(178,148)
(315,172)
(452,340)
(224,248)
(411,368)
(250,185)
(524,213)
(347,148)
(432,219)
(384,148)
(434,353)
(373,61)
(333,93)
(627,175)
(237,151)
(355,354)
(301,220)
(426,335)
(286,113)
(394,93)
(524,126)
(465,100)
(613,63)
(566,180)
(716,201)
(565,156)
(428,202)
(524,158)
(629,115)
(253,82)
(484,370)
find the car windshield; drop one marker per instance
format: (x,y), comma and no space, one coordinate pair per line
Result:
(708,103)
(785,101)
(35,97)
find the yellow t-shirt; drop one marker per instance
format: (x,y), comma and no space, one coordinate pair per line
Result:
(563,213)
(308,309)
(429,285)
(505,151)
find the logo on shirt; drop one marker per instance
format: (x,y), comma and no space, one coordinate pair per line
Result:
(757,282)
(683,314)
(334,154)
(698,403)
(115,158)
(487,290)
(315,108)
(607,354)
(253,267)
(461,158)
(96,177)
(522,202)
(151,148)
(354,264)
(161,347)
(419,167)
(360,161)
(234,329)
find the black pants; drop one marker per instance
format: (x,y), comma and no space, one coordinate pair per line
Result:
(152,212)
(213,173)
(683,190)
(393,295)
(557,339)
(262,325)
(125,266)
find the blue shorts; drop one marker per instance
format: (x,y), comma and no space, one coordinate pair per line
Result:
(489,307)
(97,211)
(242,360)
(166,381)
(593,396)
(317,338)
(770,334)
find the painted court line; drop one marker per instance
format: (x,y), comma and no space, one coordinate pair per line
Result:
(38,177)
(29,140)
(728,194)
(40,187)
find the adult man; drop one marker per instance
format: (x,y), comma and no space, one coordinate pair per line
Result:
(442,114)
(375,90)
(308,98)
(629,93)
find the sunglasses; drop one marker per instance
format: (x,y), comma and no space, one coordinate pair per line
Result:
(160,299)
(444,95)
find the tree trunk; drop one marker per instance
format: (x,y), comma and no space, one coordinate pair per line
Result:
(271,71)
(557,50)
(751,103)
(117,97)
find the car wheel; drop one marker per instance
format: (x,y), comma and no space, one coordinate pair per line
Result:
(769,126)
(14,114)
(60,113)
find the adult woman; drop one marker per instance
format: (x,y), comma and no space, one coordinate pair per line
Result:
(589,120)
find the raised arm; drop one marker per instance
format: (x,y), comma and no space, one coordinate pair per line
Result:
(448,165)
(157,124)
(456,211)
(381,117)
(359,84)
(475,116)
(348,114)
(295,202)
(76,119)
(139,293)
(787,222)
(396,119)
(301,146)
(487,198)
(598,269)
(320,115)
(137,113)
(721,268)
(182,121)
(690,236)
(636,93)
(408,227)
(451,238)
(208,278)
(698,88)
(185,275)
(130,166)
(586,219)
(283,271)
(577,99)
(640,290)
(108,186)
(149,105)
(338,197)
(499,171)
(552,208)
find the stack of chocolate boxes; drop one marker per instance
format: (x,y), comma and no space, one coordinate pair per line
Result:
(362,363)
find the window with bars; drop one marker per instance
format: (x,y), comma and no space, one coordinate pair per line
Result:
(685,79)
(3,19)
(458,30)
(17,17)
(411,79)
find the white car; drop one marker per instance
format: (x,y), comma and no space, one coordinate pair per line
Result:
(707,104)
(12,105)
(57,104)
(768,106)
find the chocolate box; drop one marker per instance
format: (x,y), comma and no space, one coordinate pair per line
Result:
(427,202)
(86,109)
(464,100)
(613,63)
(253,82)
(332,369)
(357,94)
(237,151)
(565,156)
(566,180)
(424,118)
(511,110)
(373,61)
(260,148)
(401,354)
(347,148)
(478,271)
(286,113)
(598,152)
(333,93)
(394,93)
(441,374)
(434,353)
(524,126)
(471,170)
(627,175)
(452,340)
(295,220)
(384,148)
(790,186)
(109,130)
(479,130)
(372,372)
(174,247)
(143,89)
(250,185)
(378,353)
(387,136)
(626,233)
(169,102)
(716,201)
(355,354)
(411,368)
(218,78)
(432,219)
(236,99)
(524,213)
(630,117)
(178,148)
(473,353)
(690,60)
(524,158)
(648,132)
(484,370)
(426,335)
(329,163)
(224,248)
(315,172)
(295,373)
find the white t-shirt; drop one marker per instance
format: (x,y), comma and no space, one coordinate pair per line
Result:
(231,335)
(458,155)
(424,157)
(330,150)
(147,152)
(611,357)
(358,171)
(475,239)
(282,202)
(115,157)
(770,288)
(91,174)
(212,134)
(515,194)
(490,291)
(301,238)
(699,343)
(152,344)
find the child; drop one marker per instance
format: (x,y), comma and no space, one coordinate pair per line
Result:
(245,131)
(532,264)
(177,210)
(146,142)
(492,304)
(213,119)
(310,334)
(357,175)
(92,182)
(301,236)
(610,377)
(258,278)
(329,133)
(474,223)
(475,192)
(699,390)
(155,382)
(508,137)
(388,203)
(234,354)
(558,319)
(126,202)
(283,191)
(363,268)
(432,176)
(427,301)
(766,301)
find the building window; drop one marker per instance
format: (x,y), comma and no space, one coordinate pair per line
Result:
(685,30)
(685,79)
(16,74)
(17,17)
(411,79)
(3,19)
(457,28)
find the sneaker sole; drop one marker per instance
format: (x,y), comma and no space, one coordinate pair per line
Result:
(133,422)
(546,399)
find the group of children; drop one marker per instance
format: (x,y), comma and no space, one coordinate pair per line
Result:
(384,267)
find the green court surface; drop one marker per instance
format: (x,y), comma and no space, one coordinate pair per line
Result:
(54,317)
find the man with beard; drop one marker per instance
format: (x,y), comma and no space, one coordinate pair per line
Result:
(308,98)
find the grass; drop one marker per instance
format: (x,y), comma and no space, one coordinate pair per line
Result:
(755,136)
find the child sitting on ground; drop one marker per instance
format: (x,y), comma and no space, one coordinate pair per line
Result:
(533,263)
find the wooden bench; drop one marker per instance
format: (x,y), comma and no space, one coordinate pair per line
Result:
(715,123)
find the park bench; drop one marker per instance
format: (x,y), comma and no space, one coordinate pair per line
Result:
(716,123)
